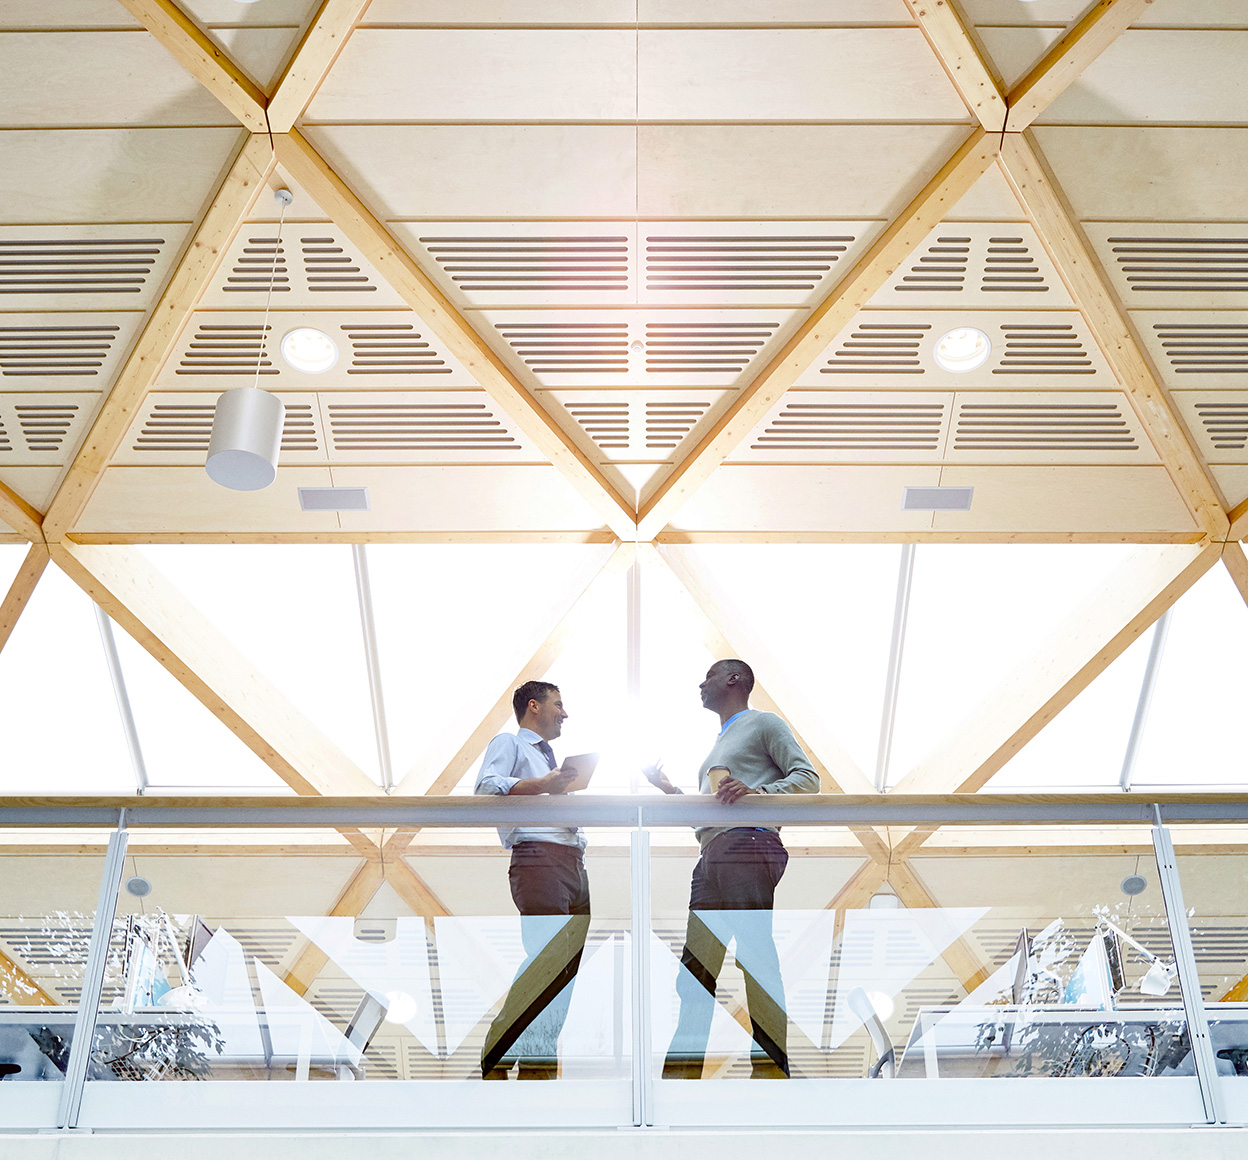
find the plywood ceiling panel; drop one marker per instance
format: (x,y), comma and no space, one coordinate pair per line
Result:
(1066,499)
(644,11)
(1014,51)
(633,426)
(383,349)
(1053,350)
(62,351)
(786,171)
(1194,14)
(1218,421)
(1160,75)
(1233,480)
(261,53)
(154,499)
(473,498)
(45,428)
(1197,350)
(112,175)
(36,485)
(231,12)
(1024,12)
(481,75)
(1177,264)
(20,14)
(989,199)
(845,74)
(1193,174)
(807,499)
(487,171)
(98,78)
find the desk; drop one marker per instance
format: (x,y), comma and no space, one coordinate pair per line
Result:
(249,1040)
(972,1042)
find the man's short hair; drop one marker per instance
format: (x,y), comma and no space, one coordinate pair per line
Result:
(744,673)
(534,691)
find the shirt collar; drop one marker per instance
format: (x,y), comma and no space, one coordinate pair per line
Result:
(731,719)
(529,736)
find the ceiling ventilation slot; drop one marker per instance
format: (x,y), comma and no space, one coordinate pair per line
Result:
(569,347)
(5,443)
(668,423)
(533,265)
(605,423)
(262,264)
(188,427)
(704,348)
(879,348)
(45,425)
(60,351)
(709,262)
(942,267)
(77,265)
(417,427)
(1226,424)
(392,349)
(866,426)
(328,268)
(1196,265)
(1043,349)
(1010,268)
(227,350)
(1213,348)
(1042,427)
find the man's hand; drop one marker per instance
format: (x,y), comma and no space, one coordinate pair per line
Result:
(557,780)
(656,777)
(730,789)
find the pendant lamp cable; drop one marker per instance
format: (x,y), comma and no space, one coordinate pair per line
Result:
(284,198)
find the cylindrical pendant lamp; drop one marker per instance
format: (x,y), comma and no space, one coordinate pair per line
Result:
(246,439)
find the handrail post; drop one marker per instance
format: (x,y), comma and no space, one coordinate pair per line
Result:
(643,1067)
(93,977)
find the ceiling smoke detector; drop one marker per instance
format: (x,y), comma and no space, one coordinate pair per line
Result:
(309,350)
(961,350)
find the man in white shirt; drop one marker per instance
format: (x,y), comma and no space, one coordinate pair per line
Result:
(547,877)
(734,882)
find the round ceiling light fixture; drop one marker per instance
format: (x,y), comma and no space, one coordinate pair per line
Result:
(309,350)
(400,1007)
(961,350)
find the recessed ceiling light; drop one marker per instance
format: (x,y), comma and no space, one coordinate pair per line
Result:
(400,1007)
(308,350)
(962,350)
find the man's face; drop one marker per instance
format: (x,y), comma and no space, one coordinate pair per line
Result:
(546,717)
(715,687)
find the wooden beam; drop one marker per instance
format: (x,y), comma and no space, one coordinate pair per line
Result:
(140,599)
(410,887)
(959,56)
(535,668)
(355,896)
(203,58)
(18,987)
(1082,648)
(682,536)
(19,515)
(872,271)
(229,209)
(965,962)
(857,892)
(21,589)
(1111,326)
(375,243)
(1239,521)
(837,770)
(312,61)
(1062,65)
(1233,557)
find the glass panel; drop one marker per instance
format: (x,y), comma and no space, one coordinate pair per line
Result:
(965,631)
(1213,875)
(52,672)
(1202,674)
(49,887)
(965,954)
(233,970)
(292,611)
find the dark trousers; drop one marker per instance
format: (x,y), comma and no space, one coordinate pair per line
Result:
(547,880)
(731,899)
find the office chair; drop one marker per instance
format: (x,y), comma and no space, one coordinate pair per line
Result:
(885,1065)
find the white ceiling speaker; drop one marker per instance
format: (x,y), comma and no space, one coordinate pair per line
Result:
(246,439)
(248,421)
(962,350)
(309,350)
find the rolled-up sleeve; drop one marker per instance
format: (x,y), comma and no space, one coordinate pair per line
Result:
(784,750)
(496,769)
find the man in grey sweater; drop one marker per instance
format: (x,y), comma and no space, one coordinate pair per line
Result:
(734,882)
